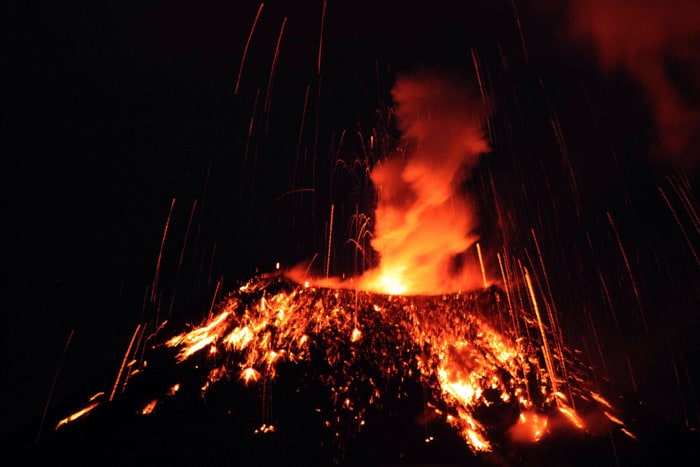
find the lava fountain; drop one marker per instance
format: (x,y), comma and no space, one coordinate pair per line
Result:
(423,221)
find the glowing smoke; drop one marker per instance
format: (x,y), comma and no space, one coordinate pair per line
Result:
(423,220)
(656,42)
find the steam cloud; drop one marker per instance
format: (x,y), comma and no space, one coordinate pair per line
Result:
(658,43)
(423,219)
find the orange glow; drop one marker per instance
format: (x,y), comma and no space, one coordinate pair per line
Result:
(423,222)
(249,374)
(149,408)
(642,37)
(76,415)
(601,400)
(96,396)
(613,418)
(467,364)
(265,429)
(199,338)
(572,416)
(530,428)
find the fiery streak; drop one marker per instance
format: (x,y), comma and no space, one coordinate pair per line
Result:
(77,415)
(156,274)
(614,419)
(126,356)
(247,44)
(150,407)
(199,338)
(545,344)
(320,37)
(633,281)
(481,265)
(572,416)
(330,233)
(680,226)
(273,67)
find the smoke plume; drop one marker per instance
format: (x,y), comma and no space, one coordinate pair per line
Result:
(423,220)
(657,42)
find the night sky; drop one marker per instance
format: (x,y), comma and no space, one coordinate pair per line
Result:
(117,111)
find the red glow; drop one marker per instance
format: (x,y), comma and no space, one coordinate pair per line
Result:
(642,37)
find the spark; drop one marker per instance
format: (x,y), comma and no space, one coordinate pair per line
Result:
(156,274)
(76,415)
(250,374)
(614,419)
(273,67)
(123,365)
(320,38)
(247,44)
(635,287)
(150,407)
(53,385)
(680,226)
(330,232)
(572,416)
(481,264)
(545,344)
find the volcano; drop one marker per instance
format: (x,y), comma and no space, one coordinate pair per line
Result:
(280,372)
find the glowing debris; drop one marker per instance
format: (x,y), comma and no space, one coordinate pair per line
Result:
(76,415)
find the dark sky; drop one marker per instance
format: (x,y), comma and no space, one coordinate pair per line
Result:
(115,109)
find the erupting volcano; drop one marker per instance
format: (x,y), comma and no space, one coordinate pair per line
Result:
(415,256)
(425,322)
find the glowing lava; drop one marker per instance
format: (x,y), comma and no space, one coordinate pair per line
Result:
(472,372)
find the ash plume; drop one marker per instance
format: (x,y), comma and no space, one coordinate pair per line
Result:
(656,43)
